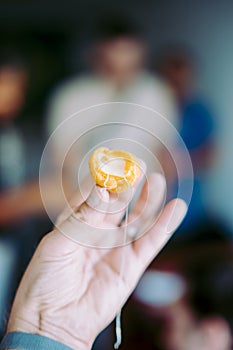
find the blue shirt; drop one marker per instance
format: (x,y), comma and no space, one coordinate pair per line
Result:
(197,124)
(196,131)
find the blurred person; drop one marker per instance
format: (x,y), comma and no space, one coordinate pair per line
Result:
(20,141)
(177,67)
(117,59)
(13,82)
(117,62)
(17,166)
(69,292)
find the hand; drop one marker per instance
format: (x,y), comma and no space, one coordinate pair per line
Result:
(71,292)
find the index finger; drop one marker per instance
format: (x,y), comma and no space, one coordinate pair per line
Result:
(149,245)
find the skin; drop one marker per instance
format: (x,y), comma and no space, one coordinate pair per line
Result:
(71,292)
(119,59)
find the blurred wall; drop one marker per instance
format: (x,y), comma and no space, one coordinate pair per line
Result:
(204,26)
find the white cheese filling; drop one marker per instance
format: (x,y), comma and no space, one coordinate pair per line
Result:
(114,166)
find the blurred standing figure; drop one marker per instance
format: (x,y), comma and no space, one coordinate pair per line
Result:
(13,81)
(17,165)
(177,68)
(117,58)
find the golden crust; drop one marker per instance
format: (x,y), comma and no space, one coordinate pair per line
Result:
(113,182)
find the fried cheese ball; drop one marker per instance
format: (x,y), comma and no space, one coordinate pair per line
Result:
(114,170)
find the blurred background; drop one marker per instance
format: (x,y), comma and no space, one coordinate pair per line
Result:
(186,49)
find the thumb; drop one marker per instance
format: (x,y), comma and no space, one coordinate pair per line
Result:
(87,224)
(94,209)
(97,201)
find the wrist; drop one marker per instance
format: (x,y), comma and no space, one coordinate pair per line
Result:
(50,330)
(65,334)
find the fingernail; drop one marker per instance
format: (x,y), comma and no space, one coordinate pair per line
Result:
(97,196)
(177,215)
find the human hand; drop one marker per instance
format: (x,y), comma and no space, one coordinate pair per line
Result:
(71,292)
